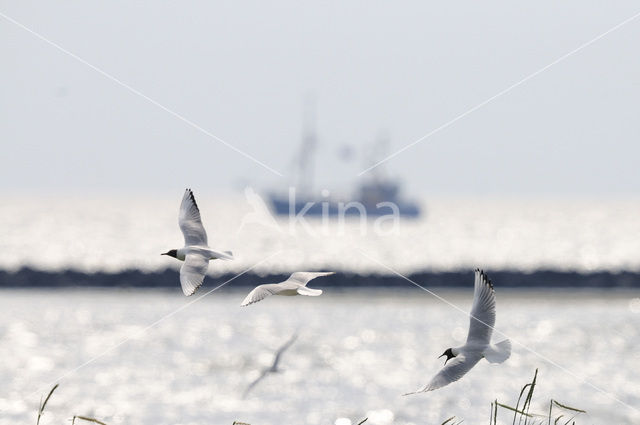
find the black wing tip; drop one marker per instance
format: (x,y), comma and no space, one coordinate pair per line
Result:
(193,198)
(485,278)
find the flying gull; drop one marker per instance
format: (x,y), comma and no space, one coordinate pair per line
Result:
(478,345)
(295,285)
(274,366)
(195,253)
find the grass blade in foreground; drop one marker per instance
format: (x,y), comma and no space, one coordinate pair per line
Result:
(522,414)
(42,405)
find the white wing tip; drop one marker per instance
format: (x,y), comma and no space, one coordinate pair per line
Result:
(422,390)
(189,292)
(248,301)
(189,288)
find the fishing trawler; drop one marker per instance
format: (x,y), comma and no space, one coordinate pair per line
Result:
(377,195)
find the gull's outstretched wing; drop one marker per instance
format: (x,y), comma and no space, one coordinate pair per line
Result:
(261,292)
(274,366)
(255,382)
(192,273)
(304,277)
(190,222)
(452,371)
(483,311)
(285,346)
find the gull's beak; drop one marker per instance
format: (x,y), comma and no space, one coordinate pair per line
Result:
(165,253)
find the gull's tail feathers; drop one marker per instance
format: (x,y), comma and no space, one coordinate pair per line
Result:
(303,290)
(499,352)
(222,255)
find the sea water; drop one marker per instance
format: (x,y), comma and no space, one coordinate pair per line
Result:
(112,234)
(155,357)
(151,357)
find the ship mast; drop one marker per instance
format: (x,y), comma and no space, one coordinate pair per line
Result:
(377,151)
(306,163)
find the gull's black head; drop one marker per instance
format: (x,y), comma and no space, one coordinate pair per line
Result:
(449,354)
(173,253)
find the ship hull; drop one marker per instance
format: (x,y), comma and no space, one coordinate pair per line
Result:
(311,208)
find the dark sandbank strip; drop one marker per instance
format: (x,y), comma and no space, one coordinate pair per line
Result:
(31,278)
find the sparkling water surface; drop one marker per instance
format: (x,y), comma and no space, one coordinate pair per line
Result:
(112,234)
(150,357)
(357,351)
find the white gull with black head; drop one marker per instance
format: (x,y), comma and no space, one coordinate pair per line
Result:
(196,252)
(478,345)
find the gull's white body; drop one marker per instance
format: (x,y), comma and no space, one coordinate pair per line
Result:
(478,345)
(196,252)
(295,285)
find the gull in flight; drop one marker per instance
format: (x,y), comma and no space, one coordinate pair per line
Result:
(295,285)
(195,253)
(274,367)
(478,345)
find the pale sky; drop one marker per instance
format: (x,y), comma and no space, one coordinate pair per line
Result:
(240,71)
